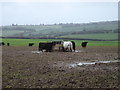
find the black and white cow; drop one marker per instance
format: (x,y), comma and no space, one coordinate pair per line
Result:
(73,45)
(30,44)
(48,46)
(68,46)
(84,44)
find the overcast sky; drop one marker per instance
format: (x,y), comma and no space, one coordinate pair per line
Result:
(57,12)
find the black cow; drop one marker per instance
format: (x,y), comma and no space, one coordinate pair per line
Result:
(2,43)
(48,46)
(30,44)
(73,43)
(84,44)
(56,42)
(8,44)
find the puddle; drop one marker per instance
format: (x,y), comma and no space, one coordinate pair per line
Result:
(36,52)
(108,61)
(78,51)
(91,63)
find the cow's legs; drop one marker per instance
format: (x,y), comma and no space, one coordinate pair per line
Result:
(64,50)
(38,49)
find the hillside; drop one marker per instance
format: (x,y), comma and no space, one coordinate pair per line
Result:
(69,30)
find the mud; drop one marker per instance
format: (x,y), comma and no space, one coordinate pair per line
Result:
(25,67)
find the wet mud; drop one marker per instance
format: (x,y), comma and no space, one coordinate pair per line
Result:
(90,67)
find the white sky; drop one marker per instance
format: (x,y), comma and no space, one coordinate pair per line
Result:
(57,11)
(59,0)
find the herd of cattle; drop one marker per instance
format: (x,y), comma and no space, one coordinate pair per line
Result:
(66,46)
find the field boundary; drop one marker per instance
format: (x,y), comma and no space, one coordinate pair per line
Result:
(58,38)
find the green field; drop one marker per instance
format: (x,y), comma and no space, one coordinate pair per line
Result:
(9,33)
(105,36)
(24,42)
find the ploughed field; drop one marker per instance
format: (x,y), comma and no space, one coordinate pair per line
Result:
(24,68)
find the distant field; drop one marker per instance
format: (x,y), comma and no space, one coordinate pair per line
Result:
(109,30)
(24,42)
(10,33)
(105,36)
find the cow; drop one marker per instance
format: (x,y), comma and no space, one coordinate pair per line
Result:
(30,44)
(56,42)
(2,43)
(67,46)
(73,45)
(84,44)
(8,44)
(48,46)
(58,45)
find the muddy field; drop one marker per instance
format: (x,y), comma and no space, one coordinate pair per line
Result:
(24,68)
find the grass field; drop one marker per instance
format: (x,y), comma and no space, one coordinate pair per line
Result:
(105,36)
(24,42)
(9,33)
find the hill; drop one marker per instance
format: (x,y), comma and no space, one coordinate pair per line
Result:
(68,30)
